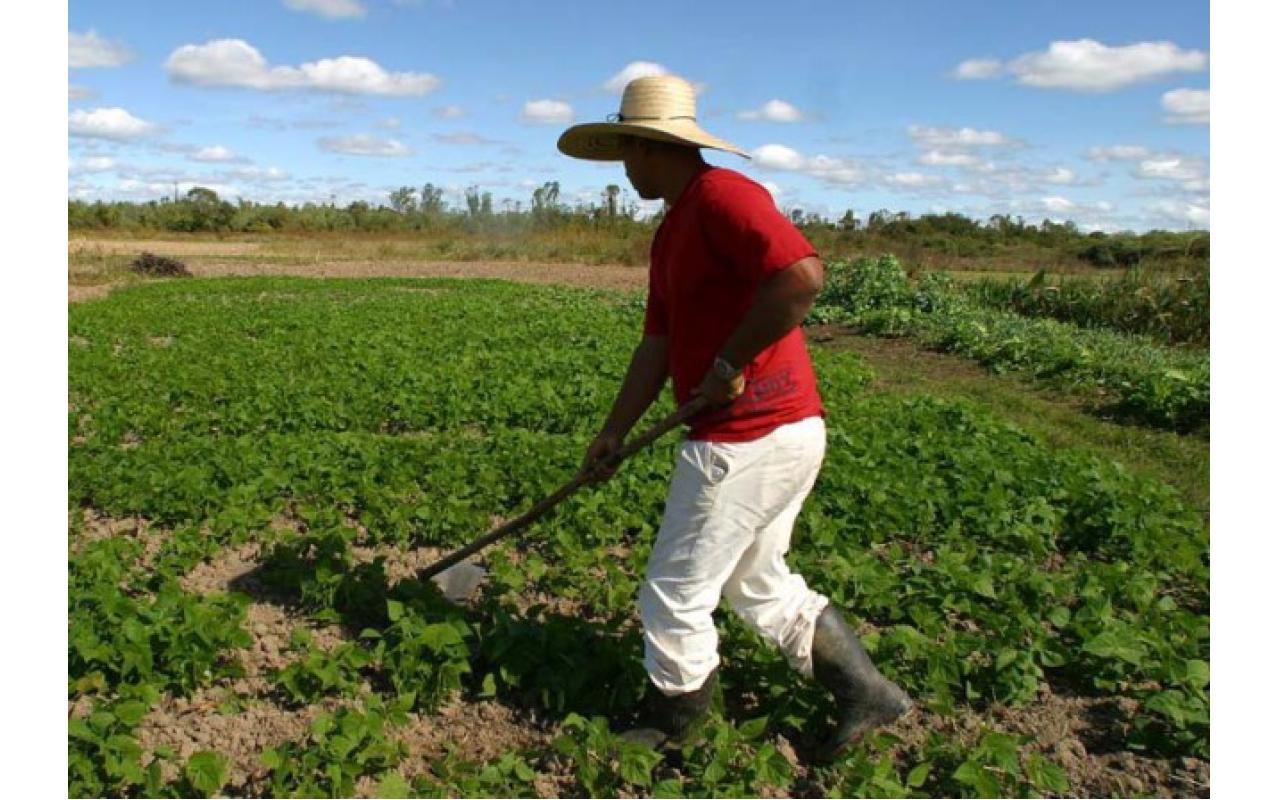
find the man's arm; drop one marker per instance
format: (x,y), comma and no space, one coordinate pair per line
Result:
(781,304)
(644,381)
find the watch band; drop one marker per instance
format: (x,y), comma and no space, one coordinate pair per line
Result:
(724,370)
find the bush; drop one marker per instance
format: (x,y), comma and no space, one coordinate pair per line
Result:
(160,266)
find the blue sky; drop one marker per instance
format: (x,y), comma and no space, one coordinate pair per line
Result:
(1094,112)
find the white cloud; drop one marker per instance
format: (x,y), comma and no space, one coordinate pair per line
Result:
(93,164)
(938,158)
(215,153)
(825,168)
(133,188)
(977,69)
(390,123)
(1181,213)
(834,170)
(546,112)
(235,62)
(362,144)
(1057,205)
(332,9)
(462,137)
(1170,168)
(913,180)
(777,156)
(773,111)
(1061,176)
(108,123)
(1118,152)
(636,69)
(79,93)
(1086,65)
(258,174)
(91,50)
(450,112)
(957,138)
(1186,106)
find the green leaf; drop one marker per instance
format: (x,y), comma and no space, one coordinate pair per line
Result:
(206,771)
(395,610)
(918,775)
(393,785)
(753,729)
(1197,673)
(130,712)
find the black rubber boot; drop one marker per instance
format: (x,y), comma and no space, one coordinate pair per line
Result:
(865,699)
(668,720)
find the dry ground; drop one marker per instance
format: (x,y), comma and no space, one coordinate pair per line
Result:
(203,260)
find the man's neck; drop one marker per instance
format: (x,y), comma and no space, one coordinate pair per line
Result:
(679,174)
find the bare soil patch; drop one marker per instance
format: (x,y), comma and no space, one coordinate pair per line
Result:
(890,357)
(163,247)
(79,294)
(590,276)
(96,526)
(606,276)
(1083,735)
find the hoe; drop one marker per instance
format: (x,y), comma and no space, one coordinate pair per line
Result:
(457,580)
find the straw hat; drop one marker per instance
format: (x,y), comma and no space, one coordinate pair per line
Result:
(660,107)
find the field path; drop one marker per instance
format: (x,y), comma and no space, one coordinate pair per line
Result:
(595,276)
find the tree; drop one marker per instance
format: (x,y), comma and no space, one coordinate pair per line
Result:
(432,200)
(611,199)
(473,201)
(404,200)
(546,200)
(206,212)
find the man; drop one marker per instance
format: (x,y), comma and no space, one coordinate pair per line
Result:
(730,281)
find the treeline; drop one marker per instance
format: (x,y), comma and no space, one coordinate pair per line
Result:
(927,240)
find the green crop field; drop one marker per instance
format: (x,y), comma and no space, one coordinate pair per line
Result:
(258,465)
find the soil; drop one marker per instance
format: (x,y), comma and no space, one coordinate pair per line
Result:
(607,276)
(162,247)
(594,276)
(1083,735)
(95,527)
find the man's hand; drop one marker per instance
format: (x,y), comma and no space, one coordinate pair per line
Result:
(718,391)
(603,446)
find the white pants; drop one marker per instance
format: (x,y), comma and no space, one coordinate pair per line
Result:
(726,529)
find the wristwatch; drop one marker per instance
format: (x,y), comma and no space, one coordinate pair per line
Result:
(724,370)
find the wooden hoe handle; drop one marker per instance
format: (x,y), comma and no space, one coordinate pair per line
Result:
(672,420)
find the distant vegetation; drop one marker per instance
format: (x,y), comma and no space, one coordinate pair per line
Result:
(610,230)
(1132,376)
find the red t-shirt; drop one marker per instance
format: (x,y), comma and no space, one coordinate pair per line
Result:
(719,242)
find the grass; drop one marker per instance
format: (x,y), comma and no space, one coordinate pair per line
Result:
(902,367)
(95,266)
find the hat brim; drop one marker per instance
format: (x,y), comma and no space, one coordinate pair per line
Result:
(601,141)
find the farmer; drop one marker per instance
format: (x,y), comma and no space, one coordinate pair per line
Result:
(730,280)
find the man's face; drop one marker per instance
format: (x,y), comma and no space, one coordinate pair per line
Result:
(641,164)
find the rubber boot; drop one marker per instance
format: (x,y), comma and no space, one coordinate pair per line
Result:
(865,699)
(669,719)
